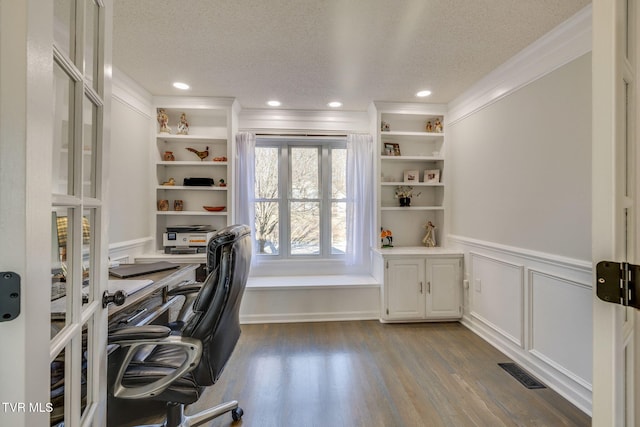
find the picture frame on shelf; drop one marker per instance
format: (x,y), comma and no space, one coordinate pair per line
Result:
(411,176)
(391,149)
(432,176)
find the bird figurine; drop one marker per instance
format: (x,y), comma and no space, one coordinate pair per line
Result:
(202,154)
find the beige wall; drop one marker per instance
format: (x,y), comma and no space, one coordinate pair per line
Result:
(520,168)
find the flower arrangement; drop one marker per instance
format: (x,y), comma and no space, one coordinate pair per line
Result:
(405,192)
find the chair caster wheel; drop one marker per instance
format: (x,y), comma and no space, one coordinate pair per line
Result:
(236,414)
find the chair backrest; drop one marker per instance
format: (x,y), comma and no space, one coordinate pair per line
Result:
(215,320)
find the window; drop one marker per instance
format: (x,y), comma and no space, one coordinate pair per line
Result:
(300,198)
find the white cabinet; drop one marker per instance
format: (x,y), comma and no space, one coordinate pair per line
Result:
(411,153)
(419,284)
(205,152)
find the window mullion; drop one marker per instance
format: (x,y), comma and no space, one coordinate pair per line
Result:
(285,197)
(325,203)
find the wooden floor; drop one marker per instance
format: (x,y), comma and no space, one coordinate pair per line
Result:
(370,374)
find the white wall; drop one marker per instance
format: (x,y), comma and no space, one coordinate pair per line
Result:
(520,178)
(129,176)
(521,167)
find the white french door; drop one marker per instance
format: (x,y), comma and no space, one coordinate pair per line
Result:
(78,213)
(615,205)
(54,115)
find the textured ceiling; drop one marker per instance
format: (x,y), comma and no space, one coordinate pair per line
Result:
(306,53)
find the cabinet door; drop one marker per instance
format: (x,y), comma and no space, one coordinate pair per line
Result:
(443,288)
(405,289)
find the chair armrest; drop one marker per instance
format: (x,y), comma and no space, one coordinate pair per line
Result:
(192,349)
(185,290)
(138,333)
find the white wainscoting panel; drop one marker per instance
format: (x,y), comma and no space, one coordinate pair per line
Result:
(559,310)
(497,294)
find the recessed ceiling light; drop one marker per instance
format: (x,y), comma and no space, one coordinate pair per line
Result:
(181,86)
(335,104)
(423,93)
(274,103)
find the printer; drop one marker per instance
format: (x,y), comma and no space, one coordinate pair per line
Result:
(186,240)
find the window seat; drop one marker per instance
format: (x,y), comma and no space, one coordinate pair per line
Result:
(316,281)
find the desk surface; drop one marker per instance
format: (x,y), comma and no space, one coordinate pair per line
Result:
(158,280)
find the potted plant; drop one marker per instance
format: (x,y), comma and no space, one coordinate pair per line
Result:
(404,193)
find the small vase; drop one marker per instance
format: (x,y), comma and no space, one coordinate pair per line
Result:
(178,205)
(168,156)
(405,201)
(163,205)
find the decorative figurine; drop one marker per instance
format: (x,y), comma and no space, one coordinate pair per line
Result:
(168,156)
(386,234)
(163,119)
(178,205)
(438,126)
(183,126)
(429,127)
(163,205)
(221,183)
(170,182)
(202,154)
(430,238)
(385,126)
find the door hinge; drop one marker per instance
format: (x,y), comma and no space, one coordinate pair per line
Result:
(617,282)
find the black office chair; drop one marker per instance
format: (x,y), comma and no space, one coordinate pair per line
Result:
(160,363)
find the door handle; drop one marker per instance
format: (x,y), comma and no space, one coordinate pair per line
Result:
(429,287)
(421,287)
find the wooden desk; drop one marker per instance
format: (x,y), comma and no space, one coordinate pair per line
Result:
(162,280)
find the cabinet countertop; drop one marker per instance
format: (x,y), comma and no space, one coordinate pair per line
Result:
(417,250)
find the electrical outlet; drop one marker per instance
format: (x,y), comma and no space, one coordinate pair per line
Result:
(478,285)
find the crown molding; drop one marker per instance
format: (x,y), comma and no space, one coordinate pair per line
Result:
(568,41)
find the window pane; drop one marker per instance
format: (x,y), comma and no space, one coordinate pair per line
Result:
(91,43)
(338,228)
(304,173)
(338,173)
(267,223)
(63,12)
(266,172)
(305,228)
(90,136)
(62,132)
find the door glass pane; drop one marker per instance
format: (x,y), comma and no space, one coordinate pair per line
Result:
(61,236)
(338,228)
(305,182)
(88,284)
(90,136)
(62,132)
(91,43)
(86,371)
(266,173)
(338,173)
(305,228)
(63,36)
(267,223)
(57,390)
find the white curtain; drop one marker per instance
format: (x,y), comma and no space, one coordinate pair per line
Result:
(360,199)
(245,179)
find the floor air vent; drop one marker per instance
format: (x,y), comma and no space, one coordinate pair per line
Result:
(521,375)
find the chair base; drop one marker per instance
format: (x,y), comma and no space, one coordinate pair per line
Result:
(177,418)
